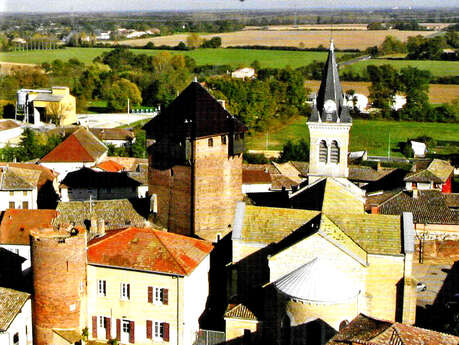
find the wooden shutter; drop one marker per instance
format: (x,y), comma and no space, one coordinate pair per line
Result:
(166,331)
(118,329)
(129,291)
(149,329)
(108,328)
(165,296)
(150,294)
(131,332)
(94,327)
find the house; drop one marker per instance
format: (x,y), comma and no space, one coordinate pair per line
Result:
(10,133)
(15,317)
(15,230)
(419,149)
(55,105)
(146,285)
(46,184)
(119,137)
(433,220)
(367,330)
(358,101)
(242,73)
(110,214)
(438,175)
(81,149)
(86,184)
(18,188)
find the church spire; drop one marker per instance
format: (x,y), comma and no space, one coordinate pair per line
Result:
(330,105)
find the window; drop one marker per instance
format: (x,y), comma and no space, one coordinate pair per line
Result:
(158,295)
(210,142)
(125,291)
(334,152)
(16,339)
(223,139)
(25,205)
(323,152)
(102,288)
(11,204)
(159,329)
(101,321)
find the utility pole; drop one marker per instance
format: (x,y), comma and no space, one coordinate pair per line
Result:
(128,106)
(388,148)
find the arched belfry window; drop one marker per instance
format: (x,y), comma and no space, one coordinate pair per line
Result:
(323,151)
(334,152)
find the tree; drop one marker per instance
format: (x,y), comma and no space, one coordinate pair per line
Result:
(214,42)
(193,41)
(138,148)
(384,86)
(295,151)
(415,84)
(392,45)
(120,91)
(56,111)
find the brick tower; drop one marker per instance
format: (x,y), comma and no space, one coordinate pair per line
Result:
(329,126)
(59,282)
(195,164)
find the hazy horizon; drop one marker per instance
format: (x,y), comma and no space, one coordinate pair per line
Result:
(18,6)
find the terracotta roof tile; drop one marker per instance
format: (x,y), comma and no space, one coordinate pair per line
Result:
(239,311)
(110,166)
(16,224)
(129,163)
(81,146)
(428,208)
(149,250)
(11,302)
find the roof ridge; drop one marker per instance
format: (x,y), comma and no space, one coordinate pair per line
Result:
(105,237)
(173,256)
(393,196)
(82,146)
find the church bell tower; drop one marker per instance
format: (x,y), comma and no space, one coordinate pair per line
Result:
(329,126)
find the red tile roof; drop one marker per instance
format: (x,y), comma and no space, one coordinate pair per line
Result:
(81,146)
(16,224)
(149,250)
(110,166)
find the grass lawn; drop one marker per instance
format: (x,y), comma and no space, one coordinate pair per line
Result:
(370,135)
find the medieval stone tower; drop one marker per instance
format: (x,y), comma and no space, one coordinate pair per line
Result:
(329,126)
(195,164)
(59,282)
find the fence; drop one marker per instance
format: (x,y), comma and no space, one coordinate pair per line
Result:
(207,337)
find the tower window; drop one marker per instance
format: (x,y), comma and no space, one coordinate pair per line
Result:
(223,139)
(323,152)
(334,152)
(210,142)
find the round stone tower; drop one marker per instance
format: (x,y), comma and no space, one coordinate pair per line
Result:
(59,281)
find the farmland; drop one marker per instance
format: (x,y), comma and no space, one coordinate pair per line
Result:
(370,135)
(438,93)
(344,39)
(233,57)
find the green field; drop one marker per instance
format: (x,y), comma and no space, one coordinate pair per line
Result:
(233,57)
(369,135)
(437,68)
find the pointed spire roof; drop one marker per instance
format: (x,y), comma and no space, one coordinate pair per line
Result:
(194,113)
(330,105)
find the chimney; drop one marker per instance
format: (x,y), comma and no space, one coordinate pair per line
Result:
(378,166)
(415,193)
(93,228)
(100,227)
(374,209)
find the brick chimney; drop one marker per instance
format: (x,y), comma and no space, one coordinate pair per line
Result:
(374,209)
(93,228)
(100,227)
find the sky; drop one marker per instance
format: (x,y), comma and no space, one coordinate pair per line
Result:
(132,5)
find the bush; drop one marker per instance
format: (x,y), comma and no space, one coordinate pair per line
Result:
(295,152)
(255,158)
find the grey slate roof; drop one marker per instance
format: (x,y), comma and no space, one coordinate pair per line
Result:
(330,89)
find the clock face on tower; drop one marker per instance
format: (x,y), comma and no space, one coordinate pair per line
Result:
(329,106)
